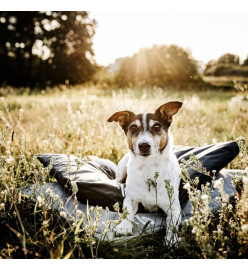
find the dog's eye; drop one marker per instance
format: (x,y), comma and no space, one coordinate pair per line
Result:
(156,127)
(133,128)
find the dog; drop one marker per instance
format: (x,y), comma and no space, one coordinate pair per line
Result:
(149,162)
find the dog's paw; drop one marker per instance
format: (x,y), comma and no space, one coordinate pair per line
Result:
(171,239)
(124,228)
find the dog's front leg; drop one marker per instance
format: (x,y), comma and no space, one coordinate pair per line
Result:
(121,173)
(126,226)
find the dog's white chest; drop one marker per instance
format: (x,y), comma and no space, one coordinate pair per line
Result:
(141,189)
(143,186)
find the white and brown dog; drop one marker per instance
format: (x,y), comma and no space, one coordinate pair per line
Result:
(150,152)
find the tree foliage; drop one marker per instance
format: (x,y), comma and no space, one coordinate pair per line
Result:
(158,65)
(228,58)
(227,65)
(46,47)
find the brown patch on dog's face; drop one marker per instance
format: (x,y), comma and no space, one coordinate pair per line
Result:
(158,129)
(130,142)
(163,141)
(133,130)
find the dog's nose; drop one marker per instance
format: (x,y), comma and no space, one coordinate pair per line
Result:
(144,147)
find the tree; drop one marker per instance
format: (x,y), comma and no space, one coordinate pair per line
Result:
(228,58)
(46,47)
(158,65)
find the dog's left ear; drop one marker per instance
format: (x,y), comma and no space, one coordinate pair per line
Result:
(167,110)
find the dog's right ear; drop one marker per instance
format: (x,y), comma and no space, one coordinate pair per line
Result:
(167,110)
(123,117)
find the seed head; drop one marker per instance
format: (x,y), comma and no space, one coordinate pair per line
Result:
(218,183)
(204,198)
(40,201)
(187,186)
(244,227)
(63,214)
(2,205)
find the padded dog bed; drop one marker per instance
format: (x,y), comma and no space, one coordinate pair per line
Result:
(143,222)
(96,185)
(95,181)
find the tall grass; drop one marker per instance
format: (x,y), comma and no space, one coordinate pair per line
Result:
(74,122)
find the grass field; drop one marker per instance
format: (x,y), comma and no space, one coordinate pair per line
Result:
(74,121)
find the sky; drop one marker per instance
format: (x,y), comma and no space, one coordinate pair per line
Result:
(209,28)
(208,34)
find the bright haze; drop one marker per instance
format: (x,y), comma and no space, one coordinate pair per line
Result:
(207,34)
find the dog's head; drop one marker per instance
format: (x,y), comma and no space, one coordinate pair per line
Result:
(147,134)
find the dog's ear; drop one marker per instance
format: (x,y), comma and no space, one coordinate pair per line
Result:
(167,110)
(123,117)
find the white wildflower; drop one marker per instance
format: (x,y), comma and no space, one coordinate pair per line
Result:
(204,198)
(244,227)
(63,214)
(186,186)
(230,207)
(56,197)
(79,213)
(218,183)
(219,231)
(49,191)
(45,223)
(217,199)
(2,205)
(9,160)
(21,110)
(186,222)
(40,201)
(4,192)
(194,229)
(225,200)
